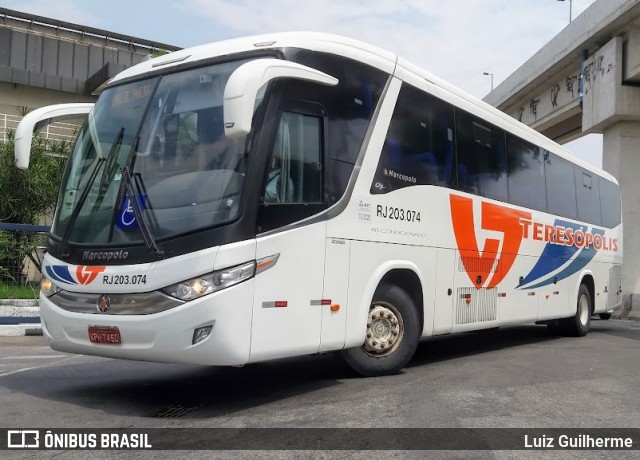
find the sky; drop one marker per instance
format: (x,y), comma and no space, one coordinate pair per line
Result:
(456,40)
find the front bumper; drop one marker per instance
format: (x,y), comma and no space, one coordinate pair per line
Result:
(165,336)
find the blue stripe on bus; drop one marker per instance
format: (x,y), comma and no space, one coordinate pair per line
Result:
(553,256)
(60,273)
(584,257)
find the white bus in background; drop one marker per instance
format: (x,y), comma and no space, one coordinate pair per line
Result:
(299,193)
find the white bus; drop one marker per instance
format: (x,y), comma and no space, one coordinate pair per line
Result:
(300,193)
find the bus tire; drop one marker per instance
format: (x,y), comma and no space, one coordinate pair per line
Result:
(393,332)
(605,316)
(578,325)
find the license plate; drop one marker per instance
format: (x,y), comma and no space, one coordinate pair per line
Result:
(106,335)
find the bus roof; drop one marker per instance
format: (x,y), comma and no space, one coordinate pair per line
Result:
(363,52)
(337,44)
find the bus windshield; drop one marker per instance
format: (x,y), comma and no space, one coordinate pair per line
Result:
(168,133)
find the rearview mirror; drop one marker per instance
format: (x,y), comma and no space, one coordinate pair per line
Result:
(38,118)
(245,82)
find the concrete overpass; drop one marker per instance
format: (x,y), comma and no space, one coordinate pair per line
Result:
(45,61)
(587,80)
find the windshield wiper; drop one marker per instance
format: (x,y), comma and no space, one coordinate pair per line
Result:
(127,185)
(142,190)
(148,237)
(85,191)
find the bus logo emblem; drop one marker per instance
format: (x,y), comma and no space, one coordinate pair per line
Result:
(479,265)
(104,303)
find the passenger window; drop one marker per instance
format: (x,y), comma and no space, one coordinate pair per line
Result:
(561,187)
(419,146)
(609,203)
(525,163)
(481,165)
(349,109)
(294,172)
(588,194)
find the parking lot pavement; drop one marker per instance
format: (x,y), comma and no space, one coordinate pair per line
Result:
(515,377)
(22,354)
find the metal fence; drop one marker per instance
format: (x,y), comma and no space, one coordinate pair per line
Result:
(55,131)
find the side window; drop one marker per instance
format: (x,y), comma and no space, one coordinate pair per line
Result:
(294,172)
(561,187)
(609,203)
(419,146)
(481,166)
(525,163)
(588,193)
(349,107)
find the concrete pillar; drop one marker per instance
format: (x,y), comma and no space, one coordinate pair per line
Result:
(621,157)
(612,107)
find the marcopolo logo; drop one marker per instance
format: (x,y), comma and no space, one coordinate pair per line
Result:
(83,274)
(569,247)
(105,255)
(399,176)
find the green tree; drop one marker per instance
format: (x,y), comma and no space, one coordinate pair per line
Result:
(25,196)
(159,52)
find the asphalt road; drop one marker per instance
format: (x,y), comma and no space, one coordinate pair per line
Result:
(516,377)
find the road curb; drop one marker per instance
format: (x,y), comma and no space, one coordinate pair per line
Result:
(19,303)
(15,330)
(14,311)
(19,317)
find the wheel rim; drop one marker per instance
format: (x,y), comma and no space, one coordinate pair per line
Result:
(583,309)
(385,330)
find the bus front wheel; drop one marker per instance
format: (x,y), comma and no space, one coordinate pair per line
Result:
(392,335)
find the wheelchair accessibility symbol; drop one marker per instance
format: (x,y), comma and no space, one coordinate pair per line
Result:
(126,216)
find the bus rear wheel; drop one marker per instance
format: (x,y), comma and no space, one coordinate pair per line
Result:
(578,325)
(392,335)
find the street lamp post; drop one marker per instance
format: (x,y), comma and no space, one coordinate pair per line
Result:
(491,75)
(570,8)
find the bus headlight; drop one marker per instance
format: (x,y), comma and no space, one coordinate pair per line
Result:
(212,282)
(47,287)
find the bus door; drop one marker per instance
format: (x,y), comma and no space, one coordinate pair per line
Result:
(335,292)
(516,302)
(287,310)
(487,288)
